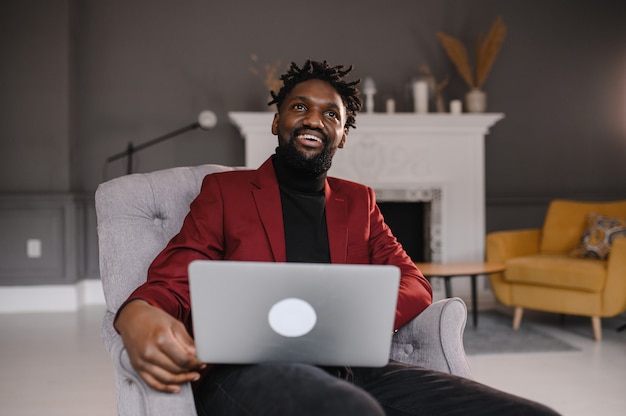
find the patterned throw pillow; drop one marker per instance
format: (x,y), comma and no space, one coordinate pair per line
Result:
(596,241)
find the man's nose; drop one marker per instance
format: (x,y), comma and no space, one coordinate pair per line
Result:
(314,120)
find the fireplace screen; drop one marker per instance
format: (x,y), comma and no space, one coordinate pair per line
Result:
(409,223)
(414,216)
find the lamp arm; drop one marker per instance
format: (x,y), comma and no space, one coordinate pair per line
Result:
(206,120)
(134,149)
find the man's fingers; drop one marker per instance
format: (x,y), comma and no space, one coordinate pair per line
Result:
(164,354)
(183,337)
(161,373)
(159,347)
(179,352)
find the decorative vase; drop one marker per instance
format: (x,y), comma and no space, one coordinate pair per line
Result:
(420,97)
(476,101)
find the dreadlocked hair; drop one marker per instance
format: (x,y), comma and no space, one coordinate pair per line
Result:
(333,75)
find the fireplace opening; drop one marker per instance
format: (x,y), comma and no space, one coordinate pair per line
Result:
(410,223)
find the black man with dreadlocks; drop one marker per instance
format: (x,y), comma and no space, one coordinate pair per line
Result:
(325,220)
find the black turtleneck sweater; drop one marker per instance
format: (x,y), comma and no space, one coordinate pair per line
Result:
(304,215)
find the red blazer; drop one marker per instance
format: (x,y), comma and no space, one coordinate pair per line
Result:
(238,216)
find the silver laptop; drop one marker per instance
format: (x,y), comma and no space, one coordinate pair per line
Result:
(322,314)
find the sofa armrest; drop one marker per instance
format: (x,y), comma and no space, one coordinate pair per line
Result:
(134,396)
(434,339)
(503,245)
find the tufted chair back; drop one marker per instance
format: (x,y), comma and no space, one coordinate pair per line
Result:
(136,220)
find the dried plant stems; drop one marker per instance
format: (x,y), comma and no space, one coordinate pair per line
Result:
(458,55)
(271,77)
(487,49)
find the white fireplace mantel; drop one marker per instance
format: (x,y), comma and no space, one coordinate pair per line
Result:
(407,153)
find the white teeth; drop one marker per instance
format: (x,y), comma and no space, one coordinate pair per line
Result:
(310,137)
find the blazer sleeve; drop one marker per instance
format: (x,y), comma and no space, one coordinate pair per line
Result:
(201,237)
(415,292)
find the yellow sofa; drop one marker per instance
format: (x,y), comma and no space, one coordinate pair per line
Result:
(545,269)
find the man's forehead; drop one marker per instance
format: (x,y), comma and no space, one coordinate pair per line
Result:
(317,88)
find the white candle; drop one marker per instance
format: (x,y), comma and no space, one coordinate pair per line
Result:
(391,106)
(420,97)
(456,107)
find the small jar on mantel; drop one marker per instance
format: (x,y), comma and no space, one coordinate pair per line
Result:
(476,101)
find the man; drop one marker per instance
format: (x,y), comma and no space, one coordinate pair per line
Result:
(289,210)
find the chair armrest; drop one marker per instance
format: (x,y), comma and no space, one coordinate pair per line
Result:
(134,396)
(434,339)
(503,245)
(614,297)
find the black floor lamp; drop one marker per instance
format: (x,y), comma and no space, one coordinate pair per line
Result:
(206,120)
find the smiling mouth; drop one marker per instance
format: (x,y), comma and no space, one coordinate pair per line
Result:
(310,138)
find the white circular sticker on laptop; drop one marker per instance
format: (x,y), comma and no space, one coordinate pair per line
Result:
(292,317)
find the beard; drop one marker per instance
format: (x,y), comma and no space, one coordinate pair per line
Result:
(299,164)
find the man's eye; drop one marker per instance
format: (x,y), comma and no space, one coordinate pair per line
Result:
(299,107)
(332,114)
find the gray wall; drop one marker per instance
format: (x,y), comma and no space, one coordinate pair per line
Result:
(34,96)
(80,79)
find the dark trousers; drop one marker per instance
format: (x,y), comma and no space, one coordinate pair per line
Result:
(306,390)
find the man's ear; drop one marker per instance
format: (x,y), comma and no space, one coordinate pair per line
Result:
(343,139)
(275,125)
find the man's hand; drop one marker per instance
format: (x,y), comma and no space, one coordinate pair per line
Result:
(159,346)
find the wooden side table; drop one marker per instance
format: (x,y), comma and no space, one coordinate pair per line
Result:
(449,270)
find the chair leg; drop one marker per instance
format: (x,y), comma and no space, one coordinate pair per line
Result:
(517,317)
(596,323)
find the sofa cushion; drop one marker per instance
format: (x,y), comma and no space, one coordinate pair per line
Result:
(561,271)
(597,239)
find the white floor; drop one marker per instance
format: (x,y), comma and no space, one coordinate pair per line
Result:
(591,381)
(55,364)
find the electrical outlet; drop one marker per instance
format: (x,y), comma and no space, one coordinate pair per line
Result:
(33,248)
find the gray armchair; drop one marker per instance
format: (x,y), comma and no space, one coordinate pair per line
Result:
(138,214)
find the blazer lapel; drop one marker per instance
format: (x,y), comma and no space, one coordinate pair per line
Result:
(337,224)
(267,199)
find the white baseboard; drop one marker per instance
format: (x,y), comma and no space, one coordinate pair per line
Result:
(68,298)
(57,298)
